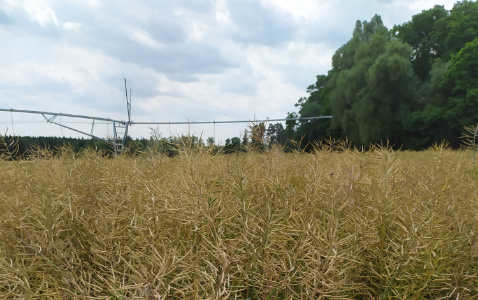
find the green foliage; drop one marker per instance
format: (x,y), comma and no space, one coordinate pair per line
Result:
(245,139)
(449,101)
(437,33)
(461,86)
(422,34)
(24,145)
(290,125)
(369,98)
(211,141)
(413,86)
(459,28)
(317,104)
(276,135)
(233,145)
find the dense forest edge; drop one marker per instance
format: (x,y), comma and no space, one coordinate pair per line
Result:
(410,87)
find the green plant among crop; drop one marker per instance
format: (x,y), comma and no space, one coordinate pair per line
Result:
(333,224)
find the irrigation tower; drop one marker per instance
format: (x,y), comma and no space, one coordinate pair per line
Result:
(121,127)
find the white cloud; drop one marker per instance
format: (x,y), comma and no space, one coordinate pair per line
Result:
(93,3)
(305,9)
(9,6)
(418,6)
(144,38)
(89,3)
(40,12)
(223,17)
(72,26)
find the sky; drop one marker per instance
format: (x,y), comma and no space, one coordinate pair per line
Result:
(194,60)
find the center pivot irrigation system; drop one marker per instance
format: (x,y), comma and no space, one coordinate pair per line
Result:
(120,127)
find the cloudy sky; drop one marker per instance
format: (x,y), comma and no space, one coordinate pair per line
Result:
(196,60)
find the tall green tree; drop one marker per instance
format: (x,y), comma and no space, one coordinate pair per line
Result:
(425,124)
(290,125)
(422,34)
(317,104)
(439,109)
(370,90)
(413,85)
(437,34)
(232,145)
(276,134)
(452,100)
(459,28)
(460,85)
(386,98)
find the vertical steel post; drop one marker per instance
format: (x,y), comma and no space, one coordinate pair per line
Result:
(114,136)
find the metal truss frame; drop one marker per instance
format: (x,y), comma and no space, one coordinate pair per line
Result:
(121,128)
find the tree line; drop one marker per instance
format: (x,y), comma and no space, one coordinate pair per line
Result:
(256,138)
(412,85)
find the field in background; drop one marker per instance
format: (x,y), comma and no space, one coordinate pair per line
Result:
(331,225)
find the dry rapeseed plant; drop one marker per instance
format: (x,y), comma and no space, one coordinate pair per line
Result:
(327,225)
(470,140)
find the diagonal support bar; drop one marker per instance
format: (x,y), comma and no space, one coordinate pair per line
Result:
(49,120)
(82,132)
